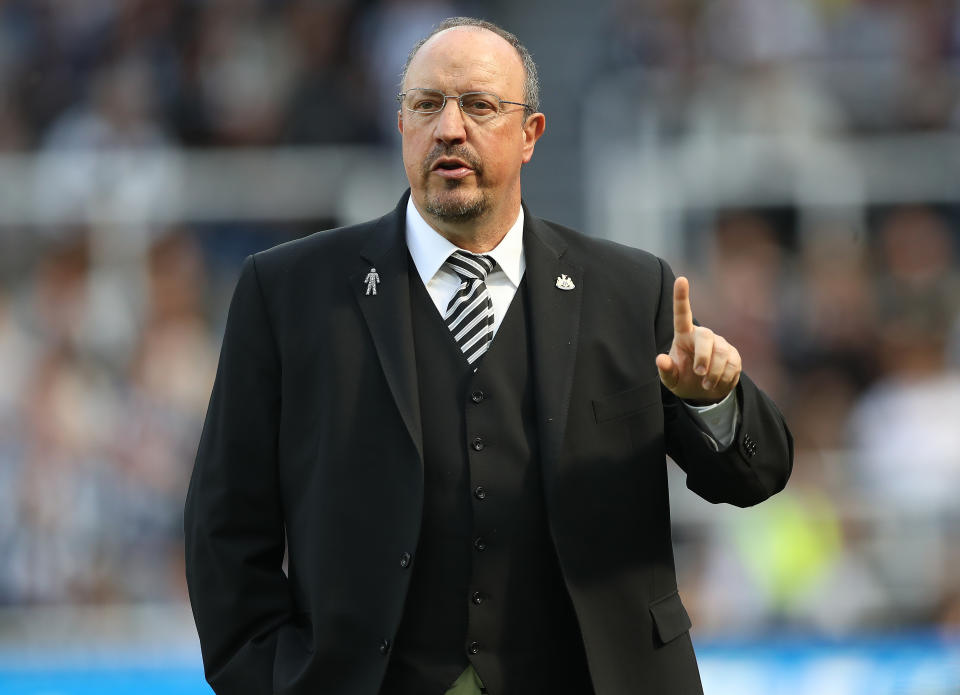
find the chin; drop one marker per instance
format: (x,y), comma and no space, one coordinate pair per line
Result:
(456,206)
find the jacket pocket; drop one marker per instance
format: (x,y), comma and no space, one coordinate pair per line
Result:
(670,619)
(627,402)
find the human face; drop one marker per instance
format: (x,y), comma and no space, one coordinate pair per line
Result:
(460,169)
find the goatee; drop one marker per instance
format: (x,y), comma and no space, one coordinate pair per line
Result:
(451,209)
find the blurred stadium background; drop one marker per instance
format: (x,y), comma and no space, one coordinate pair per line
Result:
(798,159)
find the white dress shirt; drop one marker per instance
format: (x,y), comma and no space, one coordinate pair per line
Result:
(430,251)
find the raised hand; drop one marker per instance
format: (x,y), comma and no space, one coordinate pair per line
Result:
(702,367)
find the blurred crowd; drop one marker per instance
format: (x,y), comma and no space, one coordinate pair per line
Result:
(849,317)
(109,337)
(202,73)
(877,65)
(856,334)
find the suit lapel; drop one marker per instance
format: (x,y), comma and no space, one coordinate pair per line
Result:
(555,328)
(387,313)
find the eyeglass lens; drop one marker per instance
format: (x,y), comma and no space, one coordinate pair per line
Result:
(432,101)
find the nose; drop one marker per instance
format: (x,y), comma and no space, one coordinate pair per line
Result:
(450,126)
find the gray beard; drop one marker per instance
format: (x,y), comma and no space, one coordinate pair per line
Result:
(456,210)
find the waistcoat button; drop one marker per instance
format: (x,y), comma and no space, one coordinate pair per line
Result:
(480,544)
(474,647)
(477,396)
(480,492)
(384,646)
(477,598)
(405,560)
(477,444)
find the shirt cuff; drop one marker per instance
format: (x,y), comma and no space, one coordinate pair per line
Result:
(720,419)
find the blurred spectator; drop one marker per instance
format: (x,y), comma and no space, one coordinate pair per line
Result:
(760,31)
(828,337)
(917,263)
(244,73)
(654,33)
(332,100)
(176,358)
(905,440)
(118,121)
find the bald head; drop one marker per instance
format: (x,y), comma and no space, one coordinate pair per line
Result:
(531,81)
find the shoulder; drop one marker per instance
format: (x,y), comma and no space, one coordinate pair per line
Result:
(319,253)
(591,251)
(327,246)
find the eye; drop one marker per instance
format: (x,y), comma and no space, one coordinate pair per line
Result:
(425,100)
(426,104)
(480,104)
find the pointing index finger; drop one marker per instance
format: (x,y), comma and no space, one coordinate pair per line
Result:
(682,314)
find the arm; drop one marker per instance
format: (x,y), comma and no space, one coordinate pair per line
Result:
(232,520)
(699,367)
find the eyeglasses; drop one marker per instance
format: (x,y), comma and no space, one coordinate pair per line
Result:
(479,105)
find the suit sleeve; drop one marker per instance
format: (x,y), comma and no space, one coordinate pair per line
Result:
(757,464)
(233,526)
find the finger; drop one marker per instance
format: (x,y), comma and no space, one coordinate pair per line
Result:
(729,378)
(722,351)
(718,362)
(734,366)
(702,350)
(682,314)
(669,371)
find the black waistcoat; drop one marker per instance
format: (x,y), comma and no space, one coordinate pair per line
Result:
(486,587)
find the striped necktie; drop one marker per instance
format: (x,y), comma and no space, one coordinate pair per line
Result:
(469,314)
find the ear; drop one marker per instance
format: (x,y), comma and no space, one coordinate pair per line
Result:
(533,128)
(400,120)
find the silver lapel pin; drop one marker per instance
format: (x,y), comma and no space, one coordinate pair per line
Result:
(565,282)
(372,280)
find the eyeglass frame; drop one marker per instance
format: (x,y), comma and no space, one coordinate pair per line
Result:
(459,98)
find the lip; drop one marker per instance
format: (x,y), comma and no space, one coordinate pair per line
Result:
(461,171)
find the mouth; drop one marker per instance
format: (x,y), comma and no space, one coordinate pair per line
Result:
(451,168)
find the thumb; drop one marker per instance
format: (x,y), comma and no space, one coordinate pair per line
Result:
(669,371)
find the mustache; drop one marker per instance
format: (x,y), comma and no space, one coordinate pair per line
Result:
(458,151)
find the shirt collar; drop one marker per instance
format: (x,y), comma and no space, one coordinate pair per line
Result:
(430,250)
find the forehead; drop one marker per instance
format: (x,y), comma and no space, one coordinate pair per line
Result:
(465,58)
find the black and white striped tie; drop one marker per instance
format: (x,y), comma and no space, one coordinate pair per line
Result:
(469,314)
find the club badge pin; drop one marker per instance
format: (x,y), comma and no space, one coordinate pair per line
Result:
(565,282)
(372,280)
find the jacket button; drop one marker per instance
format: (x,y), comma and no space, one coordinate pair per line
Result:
(478,444)
(480,492)
(480,544)
(477,598)
(474,647)
(405,560)
(385,646)
(477,396)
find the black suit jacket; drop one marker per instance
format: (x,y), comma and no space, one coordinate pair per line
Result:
(313,439)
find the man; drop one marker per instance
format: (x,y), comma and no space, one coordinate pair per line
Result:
(463,454)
